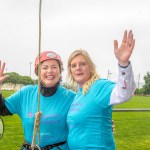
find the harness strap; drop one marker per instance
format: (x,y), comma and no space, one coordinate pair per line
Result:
(48,147)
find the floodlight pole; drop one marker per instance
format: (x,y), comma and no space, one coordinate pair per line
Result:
(30,63)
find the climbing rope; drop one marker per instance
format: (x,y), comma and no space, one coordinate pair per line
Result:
(38,114)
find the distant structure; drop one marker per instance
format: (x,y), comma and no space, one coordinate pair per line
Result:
(11,87)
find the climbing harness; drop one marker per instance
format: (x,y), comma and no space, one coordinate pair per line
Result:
(48,147)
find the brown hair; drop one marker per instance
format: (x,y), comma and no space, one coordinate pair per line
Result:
(59,64)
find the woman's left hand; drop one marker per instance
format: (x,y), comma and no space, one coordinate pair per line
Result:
(124,52)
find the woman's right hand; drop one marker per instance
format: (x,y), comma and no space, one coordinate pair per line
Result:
(2,67)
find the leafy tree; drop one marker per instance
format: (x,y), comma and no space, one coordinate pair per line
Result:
(139,91)
(25,80)
(146,87)
(15,78)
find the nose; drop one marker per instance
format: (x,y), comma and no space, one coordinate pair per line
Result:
(50,69)
(77,67)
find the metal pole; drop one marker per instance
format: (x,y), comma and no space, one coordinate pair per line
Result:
(108,74)
(30,63)
(139,81)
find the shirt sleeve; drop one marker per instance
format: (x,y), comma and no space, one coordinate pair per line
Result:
(125,86)
(13,103)
(3,109)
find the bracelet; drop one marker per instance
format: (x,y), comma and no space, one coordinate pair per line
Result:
(124,66)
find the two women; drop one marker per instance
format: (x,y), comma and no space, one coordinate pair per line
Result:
(90,116)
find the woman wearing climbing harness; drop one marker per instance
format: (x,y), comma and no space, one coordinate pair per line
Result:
(90,115)
(55,103)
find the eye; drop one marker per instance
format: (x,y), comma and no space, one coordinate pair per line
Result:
(73,65)
(54,66)
(44,67)
(83,63)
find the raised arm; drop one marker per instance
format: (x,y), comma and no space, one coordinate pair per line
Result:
(3,109)
(125,86)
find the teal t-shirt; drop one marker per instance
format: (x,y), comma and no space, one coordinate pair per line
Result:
(53,127)
(90,119)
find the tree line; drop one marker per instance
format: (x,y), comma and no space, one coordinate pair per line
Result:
(145,90)
(15,78)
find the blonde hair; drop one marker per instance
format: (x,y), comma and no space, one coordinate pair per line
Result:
(94,74)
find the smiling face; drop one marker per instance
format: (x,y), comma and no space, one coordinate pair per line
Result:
(80,69)
(50,72)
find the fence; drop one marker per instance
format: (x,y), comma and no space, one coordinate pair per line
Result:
(131,109)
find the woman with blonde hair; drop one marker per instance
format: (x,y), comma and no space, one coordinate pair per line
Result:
(90,116)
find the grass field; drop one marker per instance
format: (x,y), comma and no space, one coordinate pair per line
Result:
(136,102)
(132,128)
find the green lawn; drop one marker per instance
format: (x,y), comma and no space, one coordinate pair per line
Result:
(13,135)
(136,102)
(132,128)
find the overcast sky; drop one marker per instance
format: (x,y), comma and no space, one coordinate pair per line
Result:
(70,24)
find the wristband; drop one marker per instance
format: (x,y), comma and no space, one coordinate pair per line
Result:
(124,66)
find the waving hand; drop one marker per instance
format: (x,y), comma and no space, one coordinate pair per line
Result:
(2,78)
(124,52)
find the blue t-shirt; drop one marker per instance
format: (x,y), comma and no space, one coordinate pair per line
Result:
(53,127)
(90,119)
